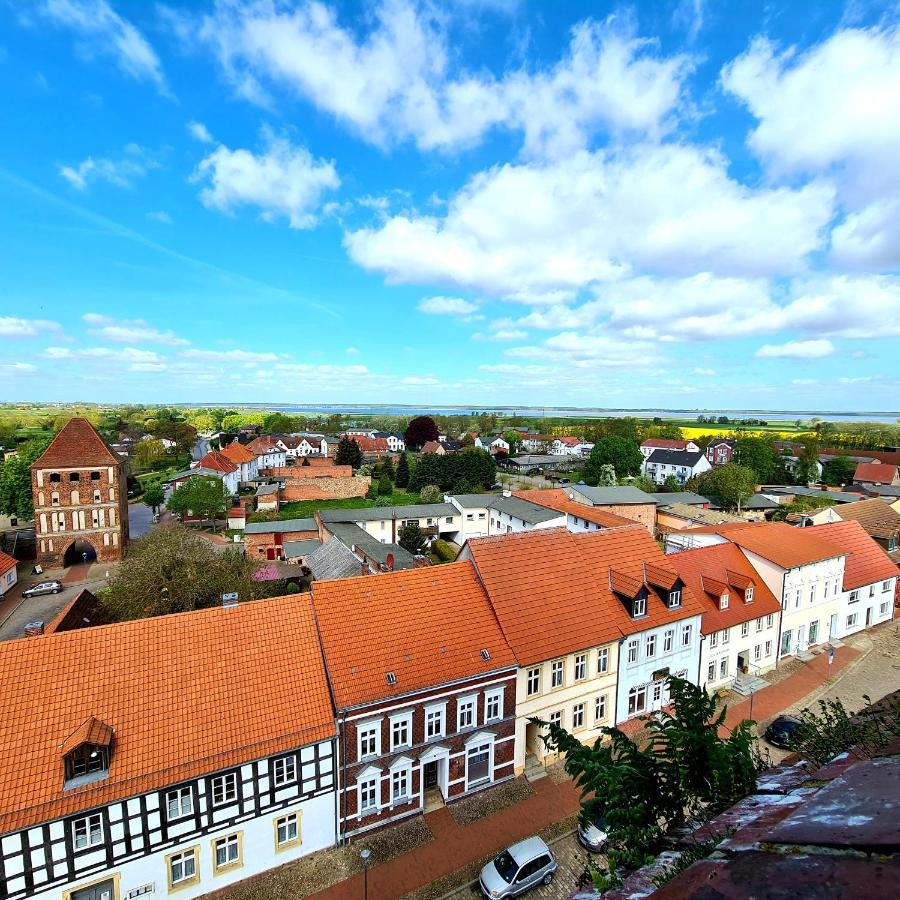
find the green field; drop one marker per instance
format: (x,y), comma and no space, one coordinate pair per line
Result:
(302,509)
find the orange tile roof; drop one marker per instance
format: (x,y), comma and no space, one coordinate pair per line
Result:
(185,694)
(428,626)
(784,545)
(76,444)
(236,452)
(666,443)
(876,473)
(90,731)
(877,517)
(218,462)
(866,562)
(262,444)
(370,445)
(554,498)
(722,567)
(551,589)
(7,563)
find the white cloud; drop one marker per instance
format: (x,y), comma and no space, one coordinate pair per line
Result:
(122,172)
(160,216)
(103,32)
(703,373)
(804,381)
(134,359)
(16,368)
(399,81)
(509,334)
(420,380)
(353,350)
(14,327)
(449,306)
(593,350)
(543,232)
(237,356)
(135,331)
(282,181)
(199,132)
(796,350)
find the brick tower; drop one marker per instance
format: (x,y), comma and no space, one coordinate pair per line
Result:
(80,499)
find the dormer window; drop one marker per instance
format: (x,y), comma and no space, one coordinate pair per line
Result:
(639,607)
(748,595)
(86,752)
(675,598)
(723,601)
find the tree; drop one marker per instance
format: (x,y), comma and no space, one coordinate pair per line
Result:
(671,483)
(154,496)
(387,467)
(839,471)
(385,486)
(731,484)
(807,470)
(758,454)
(431,493)
(348,453)
(172,569)
(410,537)
(645,484)
(15,479)
(148,453)
(513,438)
(475,466)
(606,477)
(419,431)
(685,770)
(402,479)
(201,495)
(620,452)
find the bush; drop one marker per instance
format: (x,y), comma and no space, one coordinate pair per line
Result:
(385,487)
(443,550)
(431,494)
(384,501)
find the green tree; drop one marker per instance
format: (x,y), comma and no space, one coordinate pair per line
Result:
(202,495)
(645,484)
(472,465)
(410,537)
(839,471)
(15,479)
(807,470)
(387,467)
(671,483)
(348,453)
(385,486)
(402,479)
(758,454)
(513,438)
(148,453)
(606,477)
(172,569)
(154,496)
(731,484)
(431,493)
(622,453)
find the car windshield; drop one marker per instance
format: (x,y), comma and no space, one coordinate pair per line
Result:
(506,866)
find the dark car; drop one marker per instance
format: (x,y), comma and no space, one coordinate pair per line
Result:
(565,480)
(782,732)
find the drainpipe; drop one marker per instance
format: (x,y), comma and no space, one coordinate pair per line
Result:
(342,821)
(618,681)
(780,624)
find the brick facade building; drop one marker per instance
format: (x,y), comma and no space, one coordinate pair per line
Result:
(80,499)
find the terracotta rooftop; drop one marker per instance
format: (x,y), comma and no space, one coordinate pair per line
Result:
(551,588)
(218,462)
(557,499)
(7,563)
(90,731)
(666,443)
(261,444)
(784,545)
(237,453)
(426,626)
(725,568)
(877,473)
(878,518)
(184,695)
(866,561)
(76,444)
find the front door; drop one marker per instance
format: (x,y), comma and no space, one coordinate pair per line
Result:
(832,628)
(270,553)
(814,632)
(430,775)
(102,891)
(868,617)
(801,638)
(743,659)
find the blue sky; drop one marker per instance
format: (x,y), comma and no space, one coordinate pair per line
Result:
(484,203)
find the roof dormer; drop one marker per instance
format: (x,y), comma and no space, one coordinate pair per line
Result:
(718,590)
(667,584)
(742,584)
(631,591)
(86,752)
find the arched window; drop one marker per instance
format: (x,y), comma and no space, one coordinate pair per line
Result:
(54,498)
(98,497)
(74,498)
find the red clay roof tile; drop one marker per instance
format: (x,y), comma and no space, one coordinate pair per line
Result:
(76,444)
(866,562)
(553,498)
(876,473)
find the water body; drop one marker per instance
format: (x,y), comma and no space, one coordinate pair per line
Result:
(566,412)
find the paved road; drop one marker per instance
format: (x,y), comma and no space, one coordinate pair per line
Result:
(140,519)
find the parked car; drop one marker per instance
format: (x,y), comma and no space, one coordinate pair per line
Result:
(565,480)
(782,732)
(593,837)
(45,587)
(518,869)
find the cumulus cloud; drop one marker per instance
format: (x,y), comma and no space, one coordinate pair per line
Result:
(16,368)
(282,181)
(134,331)
(399,80)
(14,327)
(199,132)
(132,358)
(796,350)
(122,172)
(101,31)
(449,306)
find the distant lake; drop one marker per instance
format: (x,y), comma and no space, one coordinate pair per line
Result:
(566,412)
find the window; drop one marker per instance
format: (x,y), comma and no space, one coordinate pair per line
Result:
(555,718)
(478,764)
(639,607)
(854,597)
(851,620)
(368,794)
(400,728)
(600,708)
(675,599)
(369,739)
(602,661)
(723,667)
(86,760)
(759,624)
(285,770)
(465,714)
(748,594)
(657,691)
(95,476)
(533,685)
(226,852)
(493,706)
(637,700)
(557,673)
(651,646)
(686,635)
(434,722)
(871,590)
(745,629)
(768,648)
(183,868)
(714,640)
(224,788)
(757,652)
(814,632)
(87,832)
(399,785)
(711,672)
(723,601)
(179,803)
(287,831)
(580,666)
(812,594)
(632,651)
(883,609)
(726,635)
(797,600)
(667,641)
(886,585)
(770,620)
(97,497)
(786,639)
(577,716)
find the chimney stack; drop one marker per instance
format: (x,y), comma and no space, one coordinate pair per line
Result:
(34,629)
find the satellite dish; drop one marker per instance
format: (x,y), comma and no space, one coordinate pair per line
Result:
(390,560)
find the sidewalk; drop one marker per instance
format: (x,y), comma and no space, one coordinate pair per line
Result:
(453,847)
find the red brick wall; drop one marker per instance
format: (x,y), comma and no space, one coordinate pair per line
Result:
(325,488)
(306,472)
(643,513)
(255,545)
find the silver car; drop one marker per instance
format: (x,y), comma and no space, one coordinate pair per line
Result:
(45,587)
(517,869)
(593,837)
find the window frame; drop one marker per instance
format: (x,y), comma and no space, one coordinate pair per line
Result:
(578,717)
(650,646)
(536,672)
(687,635)
(236,840)
(297,817)
(632,648)
(602,660)
(601,704)
(225,799)
(180,856)
(580,660)
(364,731)
(557,666)
(496,695)
(86,820)
(373,780)
(180,792)
(439,710)
(466,705)
(288,761)
(401,719)
(668,640)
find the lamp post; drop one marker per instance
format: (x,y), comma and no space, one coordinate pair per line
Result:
(365,853)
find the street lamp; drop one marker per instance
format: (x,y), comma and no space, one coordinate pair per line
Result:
(365,853)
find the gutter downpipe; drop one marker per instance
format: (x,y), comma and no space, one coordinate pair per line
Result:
(780,623)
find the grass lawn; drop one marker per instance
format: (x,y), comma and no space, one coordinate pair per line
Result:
(301,509)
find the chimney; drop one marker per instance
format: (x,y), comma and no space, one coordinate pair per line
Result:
(33,629)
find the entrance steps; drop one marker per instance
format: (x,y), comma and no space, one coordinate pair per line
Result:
(534,771)
(745,685)
(433,799)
